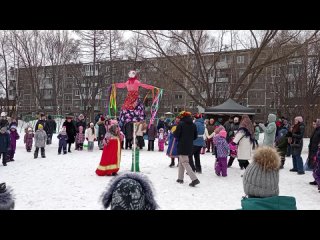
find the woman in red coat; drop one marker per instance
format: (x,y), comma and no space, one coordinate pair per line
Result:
(111,155)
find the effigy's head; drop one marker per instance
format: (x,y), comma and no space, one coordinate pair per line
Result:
(132,74)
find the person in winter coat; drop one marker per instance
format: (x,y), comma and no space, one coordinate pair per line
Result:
(161,139)
(222,153)
(4,121)
(244,138)
(14,136)
(50,129)
(13,122)
(63,138)
(4,145)
(161,124)
(172,150)
(42,121)
(28,139)
(227,126)
(210,127)
(129,191)
(297,145)
(141,130)
(316,169)
(256,133)
(90,136)
(234,127)
(71,131)
(282,145)
(197,144)
(81,122)
(186,132)
(80,139)
(313,144)
(40,138)
(7,199)
(102,130)
(128,132)
(261,183)
(233,152)
(270,130)
(152,134)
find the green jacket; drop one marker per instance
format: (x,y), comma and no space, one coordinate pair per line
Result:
(269,203)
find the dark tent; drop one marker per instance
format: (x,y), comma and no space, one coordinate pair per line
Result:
(230,107)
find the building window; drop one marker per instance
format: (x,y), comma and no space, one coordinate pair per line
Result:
(67,97)
(69,86)
(77,92)
(177,109)
(258,110)
(240,59)
(178,96)
(191,104)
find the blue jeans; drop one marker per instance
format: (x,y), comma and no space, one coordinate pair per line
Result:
(297,162)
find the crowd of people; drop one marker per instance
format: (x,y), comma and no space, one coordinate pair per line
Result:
(187,137)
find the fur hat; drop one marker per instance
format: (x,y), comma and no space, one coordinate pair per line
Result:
(223,133)
(6,198)
(261,178)
(129,191)
(40,126)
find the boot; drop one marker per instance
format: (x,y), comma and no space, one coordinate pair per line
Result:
(282,164)
(172,163)
(179,181)
(313,183)
(194,183)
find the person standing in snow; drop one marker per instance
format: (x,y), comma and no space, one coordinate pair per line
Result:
(4,145)
(40,141)
(50,129)
(90,136)
(80,139)
(161,139)
(186,132)
(71,131)
(28,139)
(222,151)
(14,136)
(270,130)
(63,138)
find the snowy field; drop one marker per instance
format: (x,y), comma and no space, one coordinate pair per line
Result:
(69,181)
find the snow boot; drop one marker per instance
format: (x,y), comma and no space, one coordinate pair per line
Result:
(194,183)
(179,181)
(313,183)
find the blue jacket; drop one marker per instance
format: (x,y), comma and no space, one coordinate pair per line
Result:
(200,129)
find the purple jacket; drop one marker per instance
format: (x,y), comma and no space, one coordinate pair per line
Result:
(222,146)
(14,136)
(28,139)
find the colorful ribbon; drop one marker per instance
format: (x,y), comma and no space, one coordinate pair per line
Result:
(155,104)
(112,104)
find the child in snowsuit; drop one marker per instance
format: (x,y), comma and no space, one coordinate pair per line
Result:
(14,136)
(4,145)
(233,152)
(161,139)
(40,138)
(282,145)
(63,138)
(28,139)
(316,170)
(90,136)
(80,139)
(222,151)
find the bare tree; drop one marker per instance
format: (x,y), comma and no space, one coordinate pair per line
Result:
(4,52)
(195,56)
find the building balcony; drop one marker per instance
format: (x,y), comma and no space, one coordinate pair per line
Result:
(46,86)
(222,65)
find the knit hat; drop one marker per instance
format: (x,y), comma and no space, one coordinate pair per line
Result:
(29,129)
(40,126)
(6,198)
(130,191)
(261,178)
(13,127)
(223,133)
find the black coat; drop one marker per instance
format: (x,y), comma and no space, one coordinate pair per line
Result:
(43,123)
(4,123)
(128,130)
(51,126)
(186,132)
(161,125)
(81,123)
(314,140)
(101,130)
(4,142)
(71,131)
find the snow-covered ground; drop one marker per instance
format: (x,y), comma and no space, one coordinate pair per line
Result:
(69,181)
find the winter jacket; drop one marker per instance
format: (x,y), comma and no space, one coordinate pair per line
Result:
(4,123)
(244,150)
(297,140)
(282,145)
(269,131)
(256,133)
(80,137)
(201,131)
(40,138)
(314,141)
(63,138)
(222,146)
(4,142)
(186,132)
(101,130)
(90,135)
(139,131)
(51,126)
(43,123)
(14,136)
(152,132)
(128,130)
(71,131)
(82,123)
(269,203)
(28,139)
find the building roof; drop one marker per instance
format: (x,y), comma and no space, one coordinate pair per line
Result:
(230,107)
